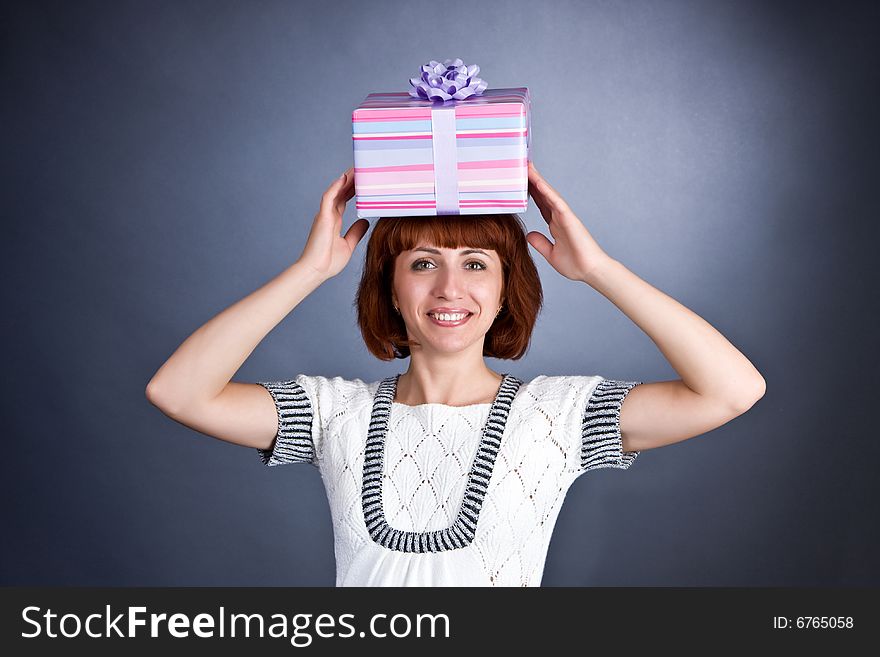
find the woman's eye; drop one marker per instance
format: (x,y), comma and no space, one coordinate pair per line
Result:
(416,265)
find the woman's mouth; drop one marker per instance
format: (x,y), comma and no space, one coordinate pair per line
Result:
(444,319)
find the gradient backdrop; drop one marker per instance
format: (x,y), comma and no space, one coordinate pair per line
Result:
(162,160)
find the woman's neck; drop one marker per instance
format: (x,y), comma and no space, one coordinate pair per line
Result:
(452,388)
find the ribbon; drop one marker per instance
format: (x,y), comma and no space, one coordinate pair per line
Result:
(451,80)
(445,160)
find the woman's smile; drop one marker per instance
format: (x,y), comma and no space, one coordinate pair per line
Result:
(450,320)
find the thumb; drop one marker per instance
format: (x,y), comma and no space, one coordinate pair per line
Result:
(356,231)
(541,243)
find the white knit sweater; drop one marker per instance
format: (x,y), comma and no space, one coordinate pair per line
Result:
(437,495)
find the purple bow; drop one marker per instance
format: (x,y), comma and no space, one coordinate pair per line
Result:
(447,81)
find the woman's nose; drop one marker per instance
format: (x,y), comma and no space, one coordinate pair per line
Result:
(448,283)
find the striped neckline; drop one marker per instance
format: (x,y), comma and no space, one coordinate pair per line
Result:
(461,532)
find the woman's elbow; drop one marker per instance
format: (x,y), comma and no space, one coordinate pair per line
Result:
(758,390)
(155,397)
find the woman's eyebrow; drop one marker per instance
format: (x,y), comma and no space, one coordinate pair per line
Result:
(462,252)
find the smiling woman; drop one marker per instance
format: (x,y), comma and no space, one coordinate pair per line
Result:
(458,472)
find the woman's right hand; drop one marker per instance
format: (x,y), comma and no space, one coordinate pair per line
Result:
(326,252)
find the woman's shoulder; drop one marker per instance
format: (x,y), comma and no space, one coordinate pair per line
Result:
(562,398)
(562,384)
(337,384)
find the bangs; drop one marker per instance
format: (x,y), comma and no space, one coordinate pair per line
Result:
(489,231)
(385,332)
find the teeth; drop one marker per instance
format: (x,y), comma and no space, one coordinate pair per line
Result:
(444,317)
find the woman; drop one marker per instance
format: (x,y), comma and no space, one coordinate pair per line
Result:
(451,473)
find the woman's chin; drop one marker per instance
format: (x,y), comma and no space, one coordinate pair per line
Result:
(448,344)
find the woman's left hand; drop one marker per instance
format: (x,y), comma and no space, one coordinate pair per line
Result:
(575,254)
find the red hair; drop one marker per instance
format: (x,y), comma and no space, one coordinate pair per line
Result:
(384,331)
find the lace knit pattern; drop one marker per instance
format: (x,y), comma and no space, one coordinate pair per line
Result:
(556,429)
(462,531)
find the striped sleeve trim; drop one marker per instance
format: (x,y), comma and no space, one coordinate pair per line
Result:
(293,442)
(601,444)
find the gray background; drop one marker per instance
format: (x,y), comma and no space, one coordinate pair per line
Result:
(162,160)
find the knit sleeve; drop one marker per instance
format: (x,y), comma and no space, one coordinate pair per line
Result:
(601,443)
(298,438)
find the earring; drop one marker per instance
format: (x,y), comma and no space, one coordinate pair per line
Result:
(397,310)
(499,311)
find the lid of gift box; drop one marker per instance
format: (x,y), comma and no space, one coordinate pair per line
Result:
(516,97)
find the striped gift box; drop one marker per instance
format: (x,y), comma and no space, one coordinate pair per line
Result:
(418,157)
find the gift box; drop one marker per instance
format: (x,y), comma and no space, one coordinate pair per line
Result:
(423,156)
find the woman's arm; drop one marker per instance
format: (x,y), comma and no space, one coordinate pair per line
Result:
(200,369)
(717,381)
(705,360)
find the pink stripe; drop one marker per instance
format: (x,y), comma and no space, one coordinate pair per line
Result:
(478,201)
(510,107)
(477,164)
(368,202)
(394,207)
(385,138)
(486,112)
(431,205)
(484,98)
(492,201)
(392,115)
(494,164)
(402,167)
(477,135)
(490,94)
(425,175)
(476,106)
(391,187)
(493,205)
(490,110)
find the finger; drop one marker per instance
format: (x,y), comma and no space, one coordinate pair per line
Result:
(540,182)
(534,191)
(342,190)
(344,196)
(355,232)
(543,245)
(536,194)
(541,201)
(345,179)
(540,188)
(533,171)
(349,189)
(536,178)
(551,198)
(328,200)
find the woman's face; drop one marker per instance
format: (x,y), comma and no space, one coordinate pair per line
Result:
(429,278)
